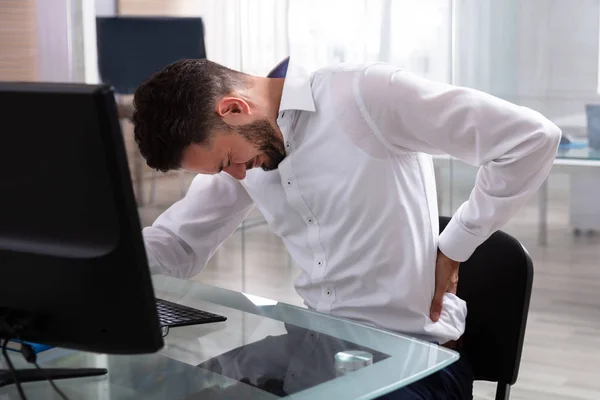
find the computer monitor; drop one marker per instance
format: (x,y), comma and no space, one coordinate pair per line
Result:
(73,268)
(131,48)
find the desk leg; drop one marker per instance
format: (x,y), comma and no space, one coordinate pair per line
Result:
(543,217)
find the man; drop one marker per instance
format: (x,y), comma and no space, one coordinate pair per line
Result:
(338,163)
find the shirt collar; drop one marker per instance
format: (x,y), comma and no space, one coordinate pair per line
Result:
(297,93)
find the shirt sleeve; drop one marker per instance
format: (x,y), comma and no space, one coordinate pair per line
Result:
(513,146)
(182,239)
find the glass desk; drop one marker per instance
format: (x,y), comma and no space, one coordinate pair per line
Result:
(264,350)
(576,157)
(578,150)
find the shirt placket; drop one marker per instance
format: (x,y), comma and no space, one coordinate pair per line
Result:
(295,199)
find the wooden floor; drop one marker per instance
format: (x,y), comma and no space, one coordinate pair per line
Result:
(561,357)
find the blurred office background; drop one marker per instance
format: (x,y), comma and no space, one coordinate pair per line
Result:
(543,54)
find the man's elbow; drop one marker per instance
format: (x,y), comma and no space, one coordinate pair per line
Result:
(553,134)
(547,139)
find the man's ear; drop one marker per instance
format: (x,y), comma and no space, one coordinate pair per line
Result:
(234,111)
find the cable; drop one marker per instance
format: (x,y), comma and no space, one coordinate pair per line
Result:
(12,370)
(30,356)
(56,388)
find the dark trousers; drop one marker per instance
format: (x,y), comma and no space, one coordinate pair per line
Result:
(455,382)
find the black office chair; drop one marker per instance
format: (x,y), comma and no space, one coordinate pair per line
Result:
(496,283)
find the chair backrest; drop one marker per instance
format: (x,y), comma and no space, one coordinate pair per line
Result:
(496,283)
(132,48)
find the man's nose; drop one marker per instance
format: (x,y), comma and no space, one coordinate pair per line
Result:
(238,171)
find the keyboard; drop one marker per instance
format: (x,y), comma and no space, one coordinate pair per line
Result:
(172,315)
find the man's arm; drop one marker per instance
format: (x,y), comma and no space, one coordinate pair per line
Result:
(184,237)
(514,146)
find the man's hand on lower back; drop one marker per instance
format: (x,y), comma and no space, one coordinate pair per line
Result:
(446,280)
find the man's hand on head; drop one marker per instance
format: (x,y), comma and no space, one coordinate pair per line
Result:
(446,280)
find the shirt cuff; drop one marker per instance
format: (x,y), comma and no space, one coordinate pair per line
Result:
(456,242)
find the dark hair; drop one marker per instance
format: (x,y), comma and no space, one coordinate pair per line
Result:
(176,107)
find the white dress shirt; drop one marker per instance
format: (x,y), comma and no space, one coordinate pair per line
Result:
(355,200)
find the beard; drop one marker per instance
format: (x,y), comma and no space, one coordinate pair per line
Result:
(266,139)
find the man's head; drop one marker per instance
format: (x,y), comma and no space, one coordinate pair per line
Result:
(204,117)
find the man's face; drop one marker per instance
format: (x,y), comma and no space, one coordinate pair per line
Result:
(254,145)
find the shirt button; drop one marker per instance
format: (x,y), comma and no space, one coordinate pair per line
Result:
(328,292)
(320,263)
(310,220)
(288,145)
(289,182)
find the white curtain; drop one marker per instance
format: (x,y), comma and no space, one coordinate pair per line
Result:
(538,53)
(413,35)
(248,35)
(253,35)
